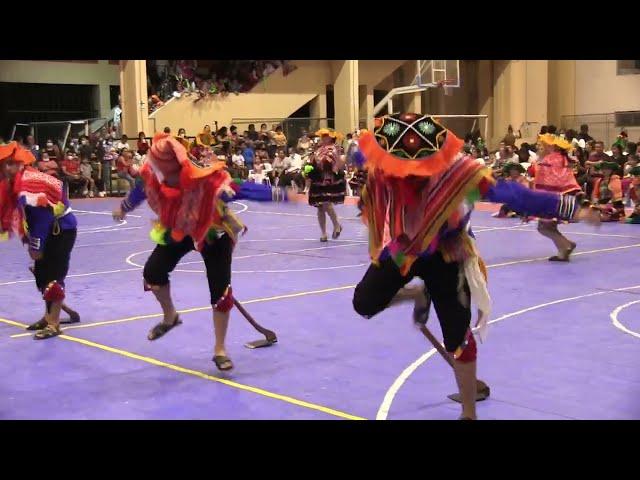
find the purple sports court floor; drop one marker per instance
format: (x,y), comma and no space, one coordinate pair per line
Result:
(564,344)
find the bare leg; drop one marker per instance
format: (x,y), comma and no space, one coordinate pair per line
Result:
(53,316)
(322,220)
(550,230)
(163,294)
(220,325)
(465,373)
(334,219)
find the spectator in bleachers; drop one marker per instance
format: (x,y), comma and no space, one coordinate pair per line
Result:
(253,135)
(124,166)
(70,167)
(73,145)
(85,149)
(205,138)
(123,144)
(263,135)
(618,157)
(222,137)
(87,172)
(248,153)
(607,192)
(295,169)
(238,169)
(49,166)
(143,145)
(32,147)
(280,165)
(632,157)
(510,138)
(233,134)
(106,167)
(53,150)
(584,133)
(304,142)
(279,138)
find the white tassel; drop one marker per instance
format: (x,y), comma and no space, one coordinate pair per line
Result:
(479,295)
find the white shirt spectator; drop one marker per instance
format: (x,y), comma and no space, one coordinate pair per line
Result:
(117,113)
(238,160)
(295,161)
(120,146)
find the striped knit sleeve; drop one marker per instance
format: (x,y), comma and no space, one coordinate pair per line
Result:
(134,198)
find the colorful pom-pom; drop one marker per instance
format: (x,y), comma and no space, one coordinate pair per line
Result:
(59,209)
(157,234)
(308,169)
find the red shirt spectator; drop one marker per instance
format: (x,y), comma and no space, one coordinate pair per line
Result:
(71,165)
(143,146)
(124,163)
(48,166)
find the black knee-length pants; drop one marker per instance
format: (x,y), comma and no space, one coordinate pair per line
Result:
(381,283)
(217,261)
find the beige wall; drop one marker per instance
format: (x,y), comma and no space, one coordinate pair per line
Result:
(29,71)
(562,90)
(346,99)
(276,97)
(600,90)
(135,111)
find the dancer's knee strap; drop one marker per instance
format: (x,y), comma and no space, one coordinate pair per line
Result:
(225,303)
(54,292)
(468,352)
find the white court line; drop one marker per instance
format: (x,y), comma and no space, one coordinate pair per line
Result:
(532,229)
(102,227)
(111,243)
(313,239)
(245,207)
(280,253)
(599,250)
(109,230)
(383,410)
(616,322)
(289,270)
(104,213)
(75,275)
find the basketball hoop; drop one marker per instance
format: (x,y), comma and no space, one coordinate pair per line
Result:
(448,91)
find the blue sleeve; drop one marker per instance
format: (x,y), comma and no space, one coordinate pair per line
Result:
(134,198)
(532,202)
(39,223)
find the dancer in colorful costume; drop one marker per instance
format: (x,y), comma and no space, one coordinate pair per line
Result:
(192,215)
(328,183)
(34,207)
(417,203)
(554,173)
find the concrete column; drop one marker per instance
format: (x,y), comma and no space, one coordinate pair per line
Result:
(345,94)
(133,92)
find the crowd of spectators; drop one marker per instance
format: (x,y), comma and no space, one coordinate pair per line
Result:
(203,78)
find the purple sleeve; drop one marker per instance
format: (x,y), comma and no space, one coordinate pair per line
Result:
(532,202)
(39,222)
(134,198)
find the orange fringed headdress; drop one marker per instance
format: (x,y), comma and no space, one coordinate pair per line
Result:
(167,153)
(409,144)
(13,151)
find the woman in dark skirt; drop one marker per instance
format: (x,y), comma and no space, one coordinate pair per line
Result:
(328,184)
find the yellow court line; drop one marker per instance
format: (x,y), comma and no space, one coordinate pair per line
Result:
(205,376)
(312,292)
(196,309)
(15,324)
